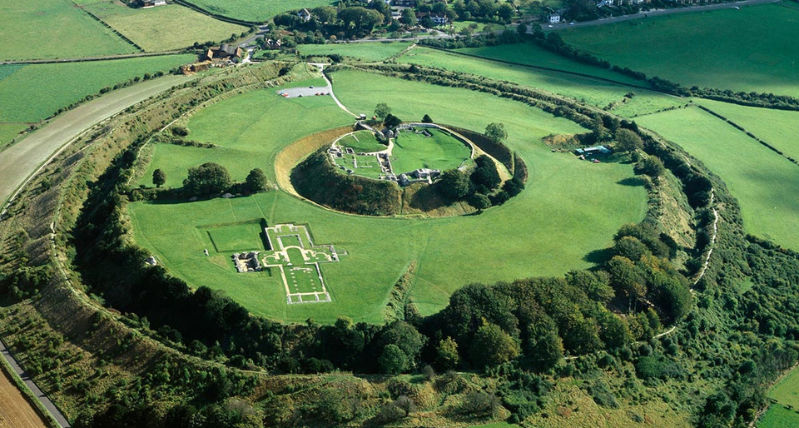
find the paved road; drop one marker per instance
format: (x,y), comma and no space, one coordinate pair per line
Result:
(657,12)
(23,159)
(59,417)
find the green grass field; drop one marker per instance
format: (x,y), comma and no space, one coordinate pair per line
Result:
(776,127)
(583,89)
(369,52)
(786,392)
(441,151)
(39,29)
(34,92)
(760,179)
(251,119)
(10,131)
(163,28)
(367,166)
(362,142)
(719,49)
(778,417)
(546,230)
(233,238)
(253,10)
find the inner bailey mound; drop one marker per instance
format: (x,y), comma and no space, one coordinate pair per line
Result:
(317,179)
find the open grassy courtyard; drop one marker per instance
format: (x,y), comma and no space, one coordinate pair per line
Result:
(441,151)
(719,49)
(252,10)
(44,29)
(163,28)
(758,177)
(362,142)
(539,232)
(585,89)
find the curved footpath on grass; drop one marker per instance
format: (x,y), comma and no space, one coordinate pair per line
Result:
(19,162)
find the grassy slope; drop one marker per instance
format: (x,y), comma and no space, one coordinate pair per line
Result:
(362,51)
(776,127)
(557,233)
(163,28)
(35,92)
(254,10)
(54,29)
(587,90)
(719,49)
(758,177)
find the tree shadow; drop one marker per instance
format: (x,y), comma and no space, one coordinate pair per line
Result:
(599,256)
(631,181)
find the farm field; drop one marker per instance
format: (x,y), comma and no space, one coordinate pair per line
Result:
(10,131)
(259,11)
(562,231)
(758,177)
(591,91)
(15,410)
(533,55)
(18,160)
(786,391)
(370,52)
(440,151)
(44,29)
(776,127)
(718,49)
(34,92)
(163,28)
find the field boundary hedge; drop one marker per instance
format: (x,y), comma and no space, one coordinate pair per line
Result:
(105,24)
(222,18)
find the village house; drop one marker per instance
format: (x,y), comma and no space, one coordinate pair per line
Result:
(404,3)
(304,15)
(224,53)
(553,18)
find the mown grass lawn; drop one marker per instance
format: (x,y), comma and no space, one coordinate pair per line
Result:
(254,10)
(35,92)
(369,52)
(163,28)
(44,29)
(588,90)
(719,49)
(761,180)
(778,416)
(568,209)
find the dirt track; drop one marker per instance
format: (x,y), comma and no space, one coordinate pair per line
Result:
(20,161)
(15,411)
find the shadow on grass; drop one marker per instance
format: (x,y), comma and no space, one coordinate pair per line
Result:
(599,256)
(631,181)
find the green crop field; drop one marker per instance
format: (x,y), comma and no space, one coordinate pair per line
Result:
(163,28)
(259,11)
(776,127)
(758,177)
(539,232)
(54,29)
(362,51)
(584,89)
(778,417)
(362,142)
(440,151)
(34,92)
(719,49)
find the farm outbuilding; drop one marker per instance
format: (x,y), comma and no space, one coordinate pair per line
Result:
(596,150)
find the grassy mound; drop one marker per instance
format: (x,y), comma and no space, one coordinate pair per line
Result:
(316,179)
